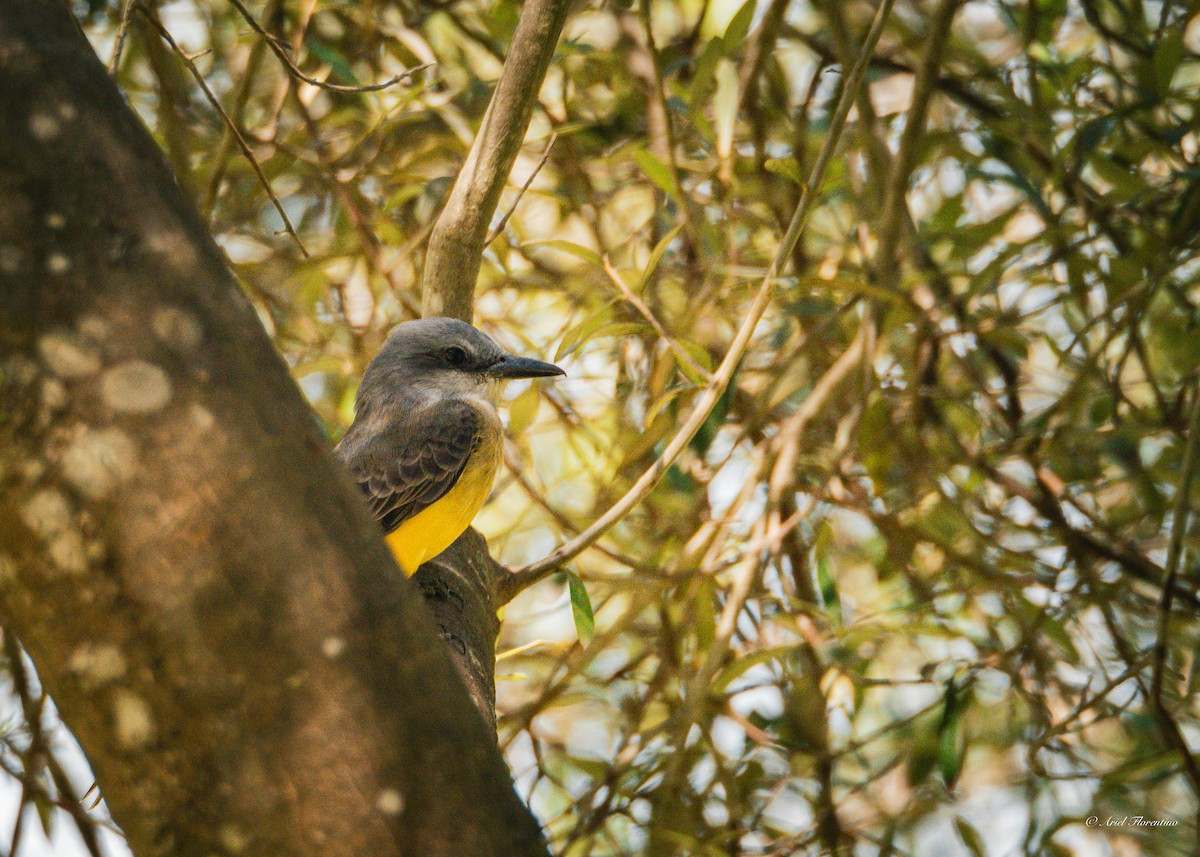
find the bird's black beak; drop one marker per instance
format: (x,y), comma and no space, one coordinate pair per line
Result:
(510,366)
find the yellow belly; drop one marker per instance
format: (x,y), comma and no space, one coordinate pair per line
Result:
(432,530)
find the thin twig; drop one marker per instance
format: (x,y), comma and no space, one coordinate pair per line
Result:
(72,804)
(33,758)
(761,46)
(537,169)
(359,218)
(241,97)
(655,82)
(513,464)
(279,51)
(1179,517)
(787,441)
(924,87)
(229,123)
(641,306)
(122,34)
(530,574)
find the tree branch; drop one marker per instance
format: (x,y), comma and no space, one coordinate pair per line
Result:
(458,239)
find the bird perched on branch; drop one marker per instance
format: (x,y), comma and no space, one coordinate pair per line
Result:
(426,441)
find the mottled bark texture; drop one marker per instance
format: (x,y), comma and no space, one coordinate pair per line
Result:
(460,586)
(456,243)
(199,584)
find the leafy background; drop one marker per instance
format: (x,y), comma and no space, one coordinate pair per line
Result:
(902,594)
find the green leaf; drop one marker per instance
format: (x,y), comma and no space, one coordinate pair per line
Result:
(590,256)
(659,173)
(970,836)
(702,76)
(825,579)
(1092,132)
(593,768)
(1125,181)
(952,746)
(739,26)
(620,328)
(786,167)
(1056,630)
(738,667)
(1168,53)
(697,352)
(657,253)
(333,59)
(523,409)
(829,592)
(665,399)
(581,609)
(699,355)
(583,331)
(581,847)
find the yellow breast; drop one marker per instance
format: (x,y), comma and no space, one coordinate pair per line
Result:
(432,530)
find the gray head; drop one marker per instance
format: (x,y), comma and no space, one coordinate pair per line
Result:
(441,358)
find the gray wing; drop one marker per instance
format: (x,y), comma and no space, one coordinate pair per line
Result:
(415,461)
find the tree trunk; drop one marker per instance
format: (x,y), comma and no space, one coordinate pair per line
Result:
(198,582)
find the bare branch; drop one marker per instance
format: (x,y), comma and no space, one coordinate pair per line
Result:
(894,203)
(122,34)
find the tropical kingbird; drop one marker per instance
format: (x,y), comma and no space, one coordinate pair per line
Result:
(426,440)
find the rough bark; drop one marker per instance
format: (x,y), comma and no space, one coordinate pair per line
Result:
(199,584)
(456,244)
(460,586)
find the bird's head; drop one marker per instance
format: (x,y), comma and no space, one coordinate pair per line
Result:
(443,358)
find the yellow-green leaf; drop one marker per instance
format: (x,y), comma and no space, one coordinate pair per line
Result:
(659,173)
(581,332)
(523,409)
(657,253)
(737,668)
(581,608)
(576,250)
(786,167)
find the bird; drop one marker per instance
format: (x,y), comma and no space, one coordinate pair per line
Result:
(426,440)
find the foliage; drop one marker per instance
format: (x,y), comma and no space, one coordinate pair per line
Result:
(903,591)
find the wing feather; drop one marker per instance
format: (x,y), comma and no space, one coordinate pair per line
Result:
(414,463)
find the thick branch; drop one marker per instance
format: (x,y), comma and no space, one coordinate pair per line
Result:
(460,589)
(457,242)
(200,586)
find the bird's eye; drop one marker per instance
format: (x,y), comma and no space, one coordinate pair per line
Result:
(455,356)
